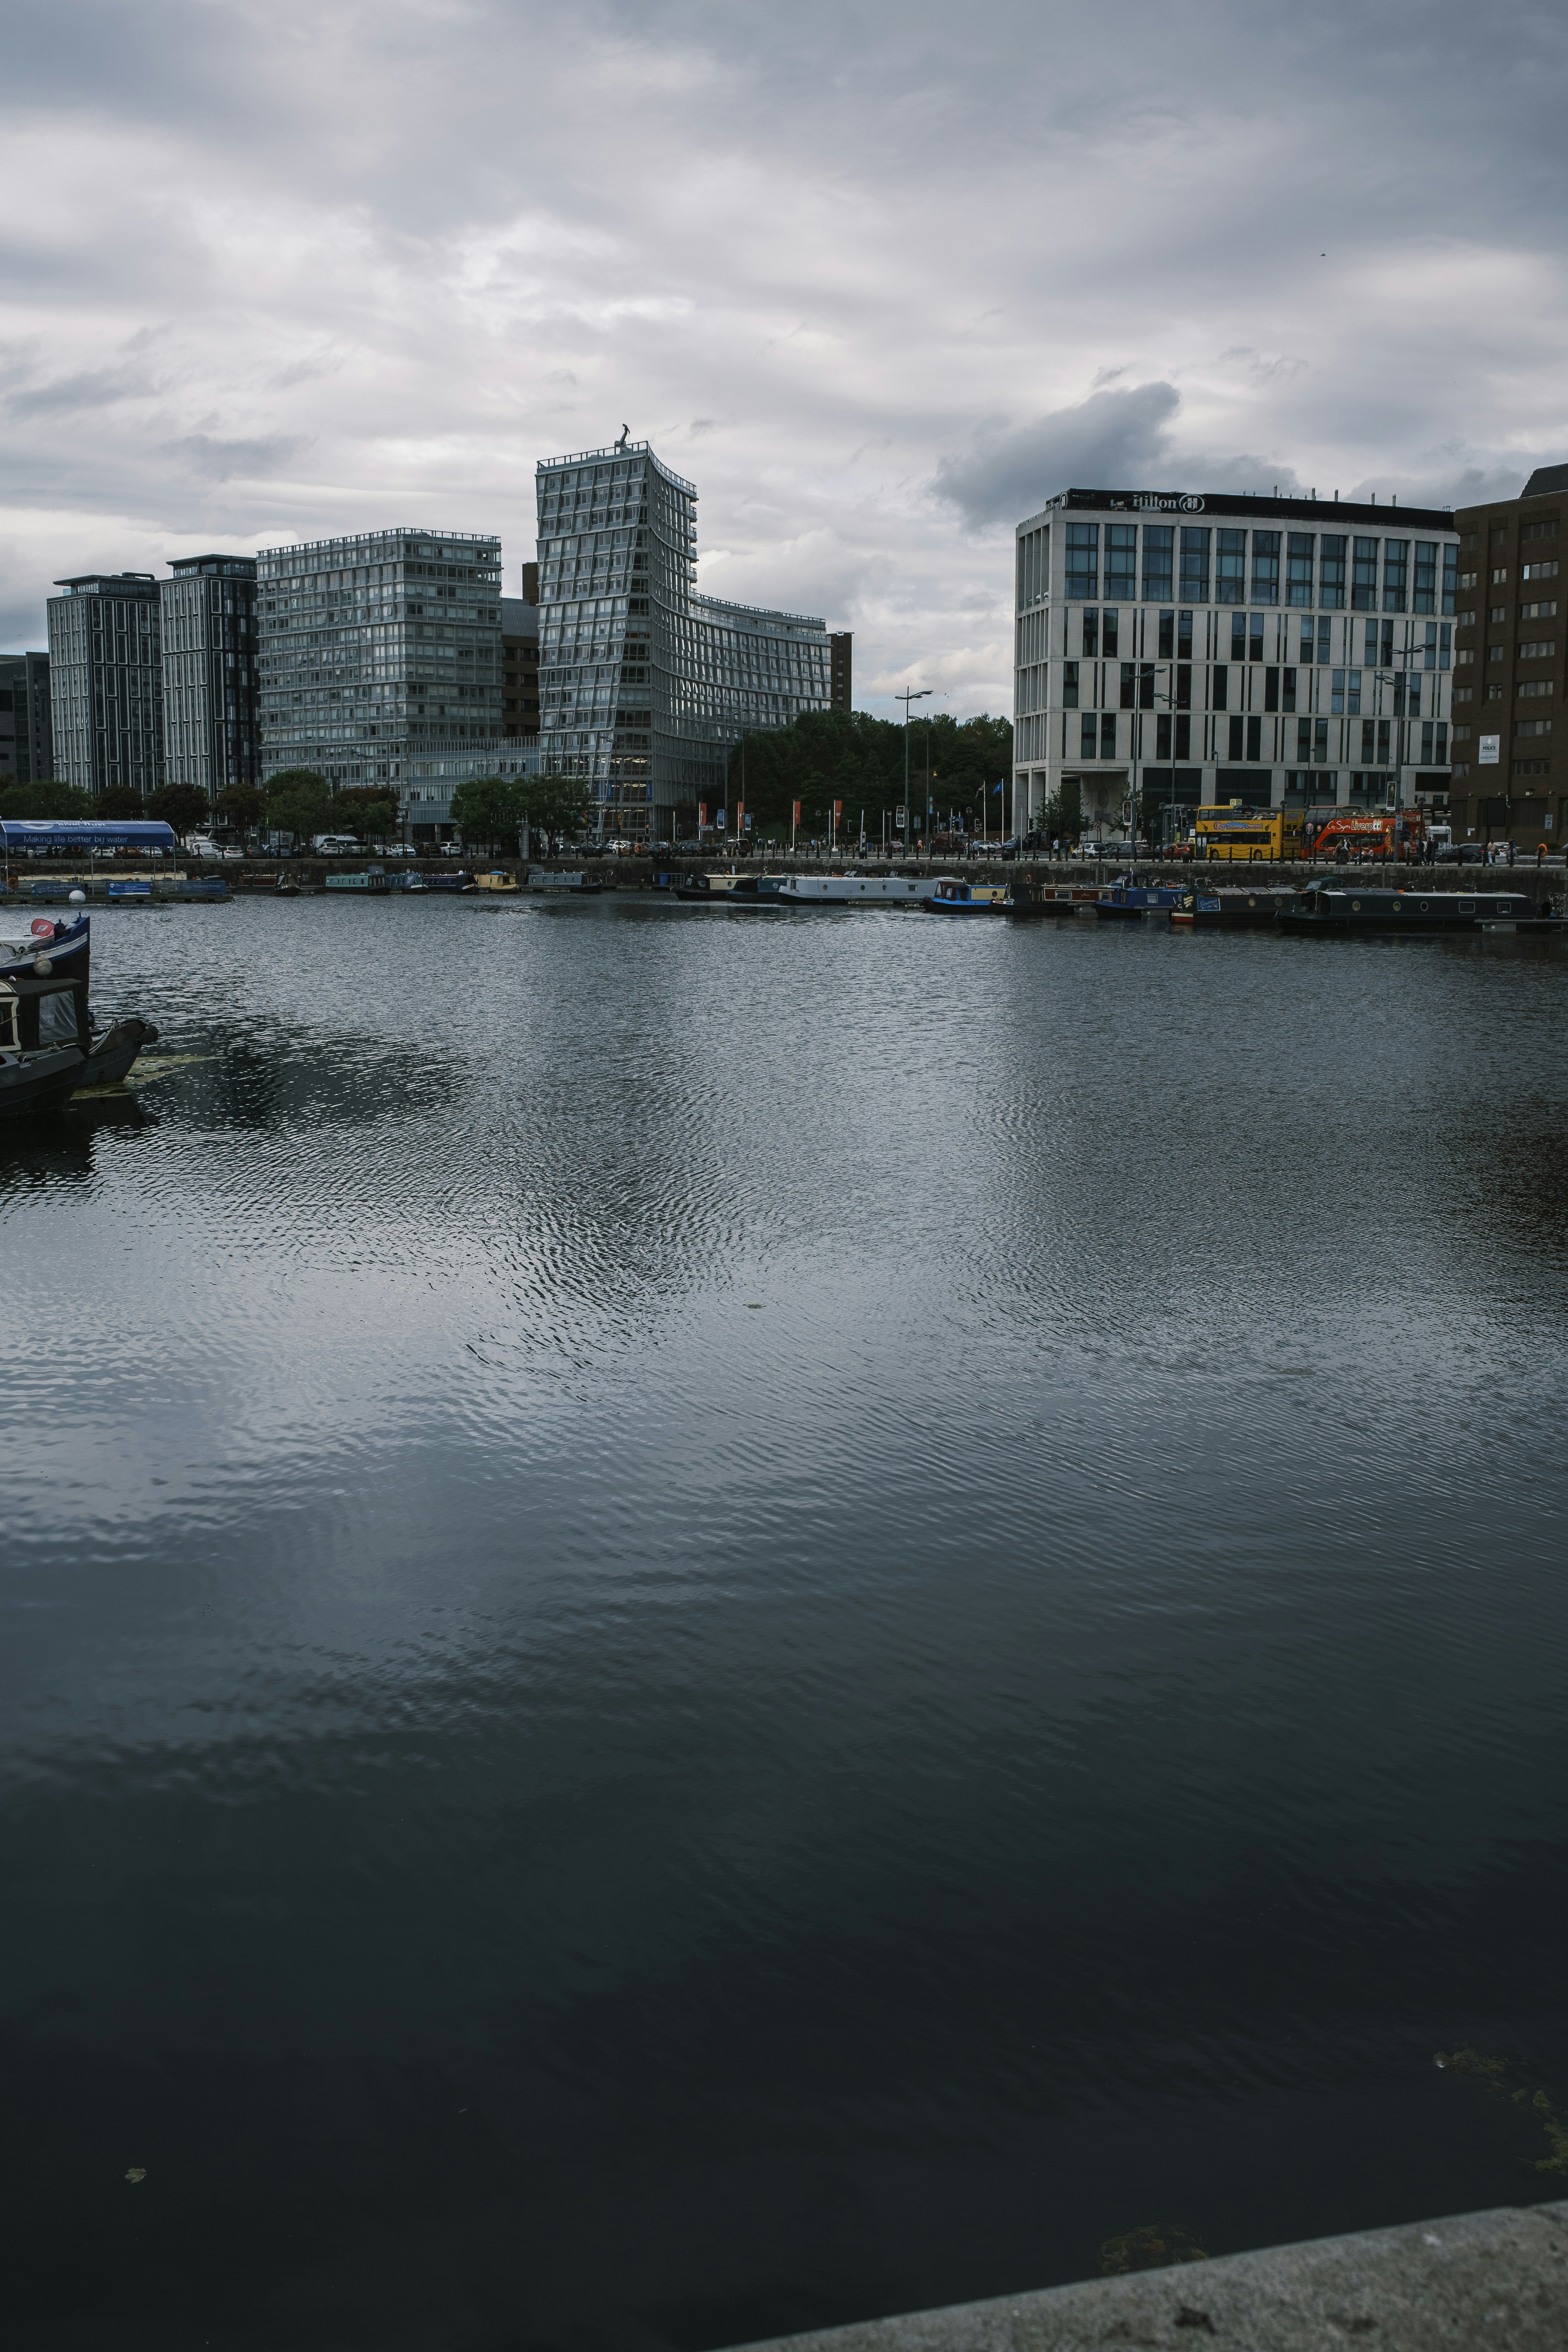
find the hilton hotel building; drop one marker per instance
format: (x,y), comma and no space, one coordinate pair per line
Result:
(1212,648)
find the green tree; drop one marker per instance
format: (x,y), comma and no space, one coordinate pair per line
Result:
(1063,817)
(552,805)
(46,799)
(849,756)
(488,808)
(242,806)
(369,811)
(298,801)
(118,803)
(184,806)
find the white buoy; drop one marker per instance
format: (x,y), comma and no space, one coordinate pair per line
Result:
(78,898)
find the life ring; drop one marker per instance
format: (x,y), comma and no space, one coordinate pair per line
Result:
(42,928)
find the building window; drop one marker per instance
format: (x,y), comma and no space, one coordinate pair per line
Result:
(1167,636)
(1265,567)
(1069,685)
(1083,561)
(1183,637)
(1183,737)
(1239,636)
(1303,740)
(1162,736)
(1396,573)
(1534,727)
(1107,734)
(1424,599)
(1090,633)
(1534,687)
(1237,725)
(1534,571)
(1230,583)
(1183,685)
(1086,736)
(1364,581)
(1121,562)
(1110,629)
(1332,571)
(1288,690)
(1255,739)
(1129,682)
(1158,542)
(1383,728)
(1255,645)
(1219,682)
(1299,568)
(1271,689)
(1195,565)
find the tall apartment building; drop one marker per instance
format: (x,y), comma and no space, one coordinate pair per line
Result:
(644,684)
(379,651)
(1512,666)
(841,670)
(211,736)
(106,682)
(26,737)
(1204,649)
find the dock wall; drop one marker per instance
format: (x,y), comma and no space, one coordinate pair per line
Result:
(1497,2279)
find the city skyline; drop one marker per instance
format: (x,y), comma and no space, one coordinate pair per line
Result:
(897,309)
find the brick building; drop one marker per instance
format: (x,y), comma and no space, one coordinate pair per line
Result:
(1509,673)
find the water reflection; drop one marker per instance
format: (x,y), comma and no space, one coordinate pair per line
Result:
(716,1624)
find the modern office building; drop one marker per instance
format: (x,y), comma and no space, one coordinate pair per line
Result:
(644,684)
(1218,648)
(430,779)
(106,682)
(211,736)
(520,658)
(378,649)
(26,735)
(841,670)
(1510,671)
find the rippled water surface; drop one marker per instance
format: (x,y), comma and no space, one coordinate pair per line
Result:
(711,1624)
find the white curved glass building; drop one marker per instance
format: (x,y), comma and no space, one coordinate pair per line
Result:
(644,684)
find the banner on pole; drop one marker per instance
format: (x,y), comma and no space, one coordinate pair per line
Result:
(701,815)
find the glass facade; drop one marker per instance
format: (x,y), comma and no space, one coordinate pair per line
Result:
(644,684)
(211,738)
(106,682)
(378,650)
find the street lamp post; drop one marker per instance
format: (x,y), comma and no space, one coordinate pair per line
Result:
(915,694)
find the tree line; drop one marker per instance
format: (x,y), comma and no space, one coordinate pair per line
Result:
(851,757)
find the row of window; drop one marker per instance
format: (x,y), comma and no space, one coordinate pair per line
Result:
(1330,570)
(1099,737)
(1138,686)
(1099,631)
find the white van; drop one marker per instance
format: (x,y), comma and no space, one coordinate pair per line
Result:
(335,845)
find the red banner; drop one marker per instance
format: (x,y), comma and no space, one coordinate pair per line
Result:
(797,817)
(701,815)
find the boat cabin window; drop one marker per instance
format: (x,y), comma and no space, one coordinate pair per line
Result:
(7,1022)
(56,1018)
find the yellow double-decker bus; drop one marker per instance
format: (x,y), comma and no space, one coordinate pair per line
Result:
(1256,836)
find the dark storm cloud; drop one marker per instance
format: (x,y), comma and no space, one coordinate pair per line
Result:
(1113,439)
(282,268)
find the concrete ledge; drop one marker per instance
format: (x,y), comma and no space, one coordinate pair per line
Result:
(1497,2279)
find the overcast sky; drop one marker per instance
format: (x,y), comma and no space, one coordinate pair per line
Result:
(880,280)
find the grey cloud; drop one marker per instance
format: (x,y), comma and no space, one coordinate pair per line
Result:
(94,388)
(223,461)
(1113,439)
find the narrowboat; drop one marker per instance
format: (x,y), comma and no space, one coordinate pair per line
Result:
(1207,909)
(1031,900)
(952,897)
(854,889)
(1129,901)
(1341,909)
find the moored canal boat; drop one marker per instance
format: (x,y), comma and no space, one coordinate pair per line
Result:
(1341,910)
(952,897)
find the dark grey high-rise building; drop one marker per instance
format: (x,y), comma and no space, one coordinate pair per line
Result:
(106,682)
(211,737)
(644,684)
(377,648)
(27,738)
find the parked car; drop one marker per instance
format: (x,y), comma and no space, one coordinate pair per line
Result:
(1461,853)
(335,845)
